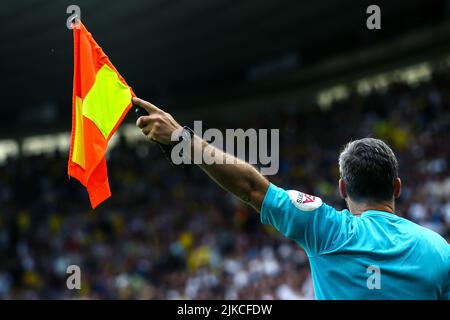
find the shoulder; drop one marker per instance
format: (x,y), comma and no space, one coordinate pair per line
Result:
(434,241)
(305,218)
(294,201)
(432,237)
(280,199)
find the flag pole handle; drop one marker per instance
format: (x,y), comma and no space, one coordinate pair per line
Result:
(165,148)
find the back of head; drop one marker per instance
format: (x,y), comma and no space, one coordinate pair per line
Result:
(369,168)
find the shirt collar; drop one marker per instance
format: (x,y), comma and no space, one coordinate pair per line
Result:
(377,213)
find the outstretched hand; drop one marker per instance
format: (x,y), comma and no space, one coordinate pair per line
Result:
(158,125)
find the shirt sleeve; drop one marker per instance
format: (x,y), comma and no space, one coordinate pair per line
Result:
(314,225)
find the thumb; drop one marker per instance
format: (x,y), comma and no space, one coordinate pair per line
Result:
(146,105)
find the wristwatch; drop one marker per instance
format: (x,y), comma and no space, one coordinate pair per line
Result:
(186,135)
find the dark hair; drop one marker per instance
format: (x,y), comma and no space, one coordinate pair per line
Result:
(368,167)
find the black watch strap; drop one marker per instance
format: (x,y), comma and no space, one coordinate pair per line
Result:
(186,134)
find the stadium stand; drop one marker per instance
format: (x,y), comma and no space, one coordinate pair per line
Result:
(170,233)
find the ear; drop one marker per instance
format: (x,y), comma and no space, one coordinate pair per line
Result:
(397,188)
(342,190)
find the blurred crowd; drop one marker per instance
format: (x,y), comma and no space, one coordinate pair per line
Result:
(168,232)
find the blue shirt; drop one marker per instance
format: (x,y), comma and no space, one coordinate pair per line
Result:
(376,255)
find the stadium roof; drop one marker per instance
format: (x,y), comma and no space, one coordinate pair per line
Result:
(183,53)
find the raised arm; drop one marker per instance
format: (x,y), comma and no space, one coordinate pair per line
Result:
(234,175)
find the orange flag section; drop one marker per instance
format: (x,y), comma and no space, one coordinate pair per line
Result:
(101,99)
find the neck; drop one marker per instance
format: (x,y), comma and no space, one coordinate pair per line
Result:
(358,208)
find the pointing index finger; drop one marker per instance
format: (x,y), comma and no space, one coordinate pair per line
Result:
(146,105)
